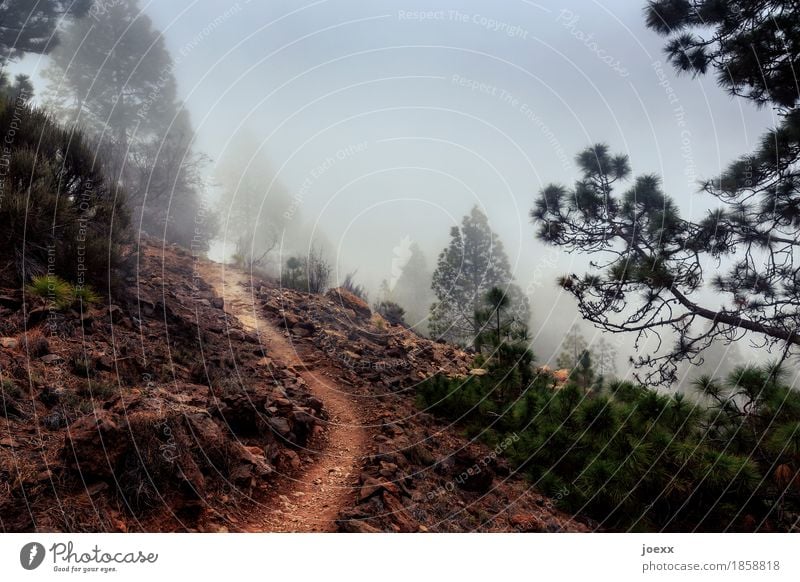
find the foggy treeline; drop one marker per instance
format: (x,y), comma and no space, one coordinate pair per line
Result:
(111,77)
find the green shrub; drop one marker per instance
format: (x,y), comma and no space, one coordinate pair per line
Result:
(99,391)
(10,389)
(52,290)
(104,390)
(310,274)
(639,460)
(81,364)
(10,394)
(392,312)
(84,296)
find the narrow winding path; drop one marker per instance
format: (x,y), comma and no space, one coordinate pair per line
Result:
(312,500)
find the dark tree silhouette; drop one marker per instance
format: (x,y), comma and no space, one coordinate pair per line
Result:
(255,205)
(574,345)
(654,262)
(754,45)
(30,27)
(412,288)
(652,265)
(22,88)
(66,218)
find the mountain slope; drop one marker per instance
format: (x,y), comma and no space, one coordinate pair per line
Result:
(310,500)
(203,401)
(417,474)
(141,414)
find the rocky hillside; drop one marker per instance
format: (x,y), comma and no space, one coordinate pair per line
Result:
(172,408)
(417,474)
(148,413)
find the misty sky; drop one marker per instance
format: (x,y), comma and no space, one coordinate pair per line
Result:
(420,119)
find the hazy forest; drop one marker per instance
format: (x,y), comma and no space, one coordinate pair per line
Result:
(375,269)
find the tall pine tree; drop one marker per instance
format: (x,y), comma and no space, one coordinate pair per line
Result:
(574,345)
(652,268)
(255,207)
(21,88)
(112,76)
(410,287)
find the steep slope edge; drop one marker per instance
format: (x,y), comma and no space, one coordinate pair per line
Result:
(418,474)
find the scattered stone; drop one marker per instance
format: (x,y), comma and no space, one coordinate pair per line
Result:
(315,404)
(421,455)
(183,419)
(527,522)
(280,425)
(347,300)
(369,487)
(399,516)
(37,315)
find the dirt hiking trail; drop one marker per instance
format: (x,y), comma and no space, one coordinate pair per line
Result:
(311,500)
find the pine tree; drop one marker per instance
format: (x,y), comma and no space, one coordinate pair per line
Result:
(493,322)
(166,180)
(583,373)
(113,75)
(605,357)
(254,206)
(412,289)
(718,361)
(574,345)
(750,43)
(473,263)
(656,263)
(504,345)
(21,88)
(654,260)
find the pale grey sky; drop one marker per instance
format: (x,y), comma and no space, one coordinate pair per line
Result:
(435,106)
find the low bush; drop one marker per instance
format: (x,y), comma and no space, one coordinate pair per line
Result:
(99,391)
(59,215)
(51,290)
(85,296)
(54,292)
(311,274)
(638,460)
(35,343)
(391,312)
(349,284)
(81,364)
